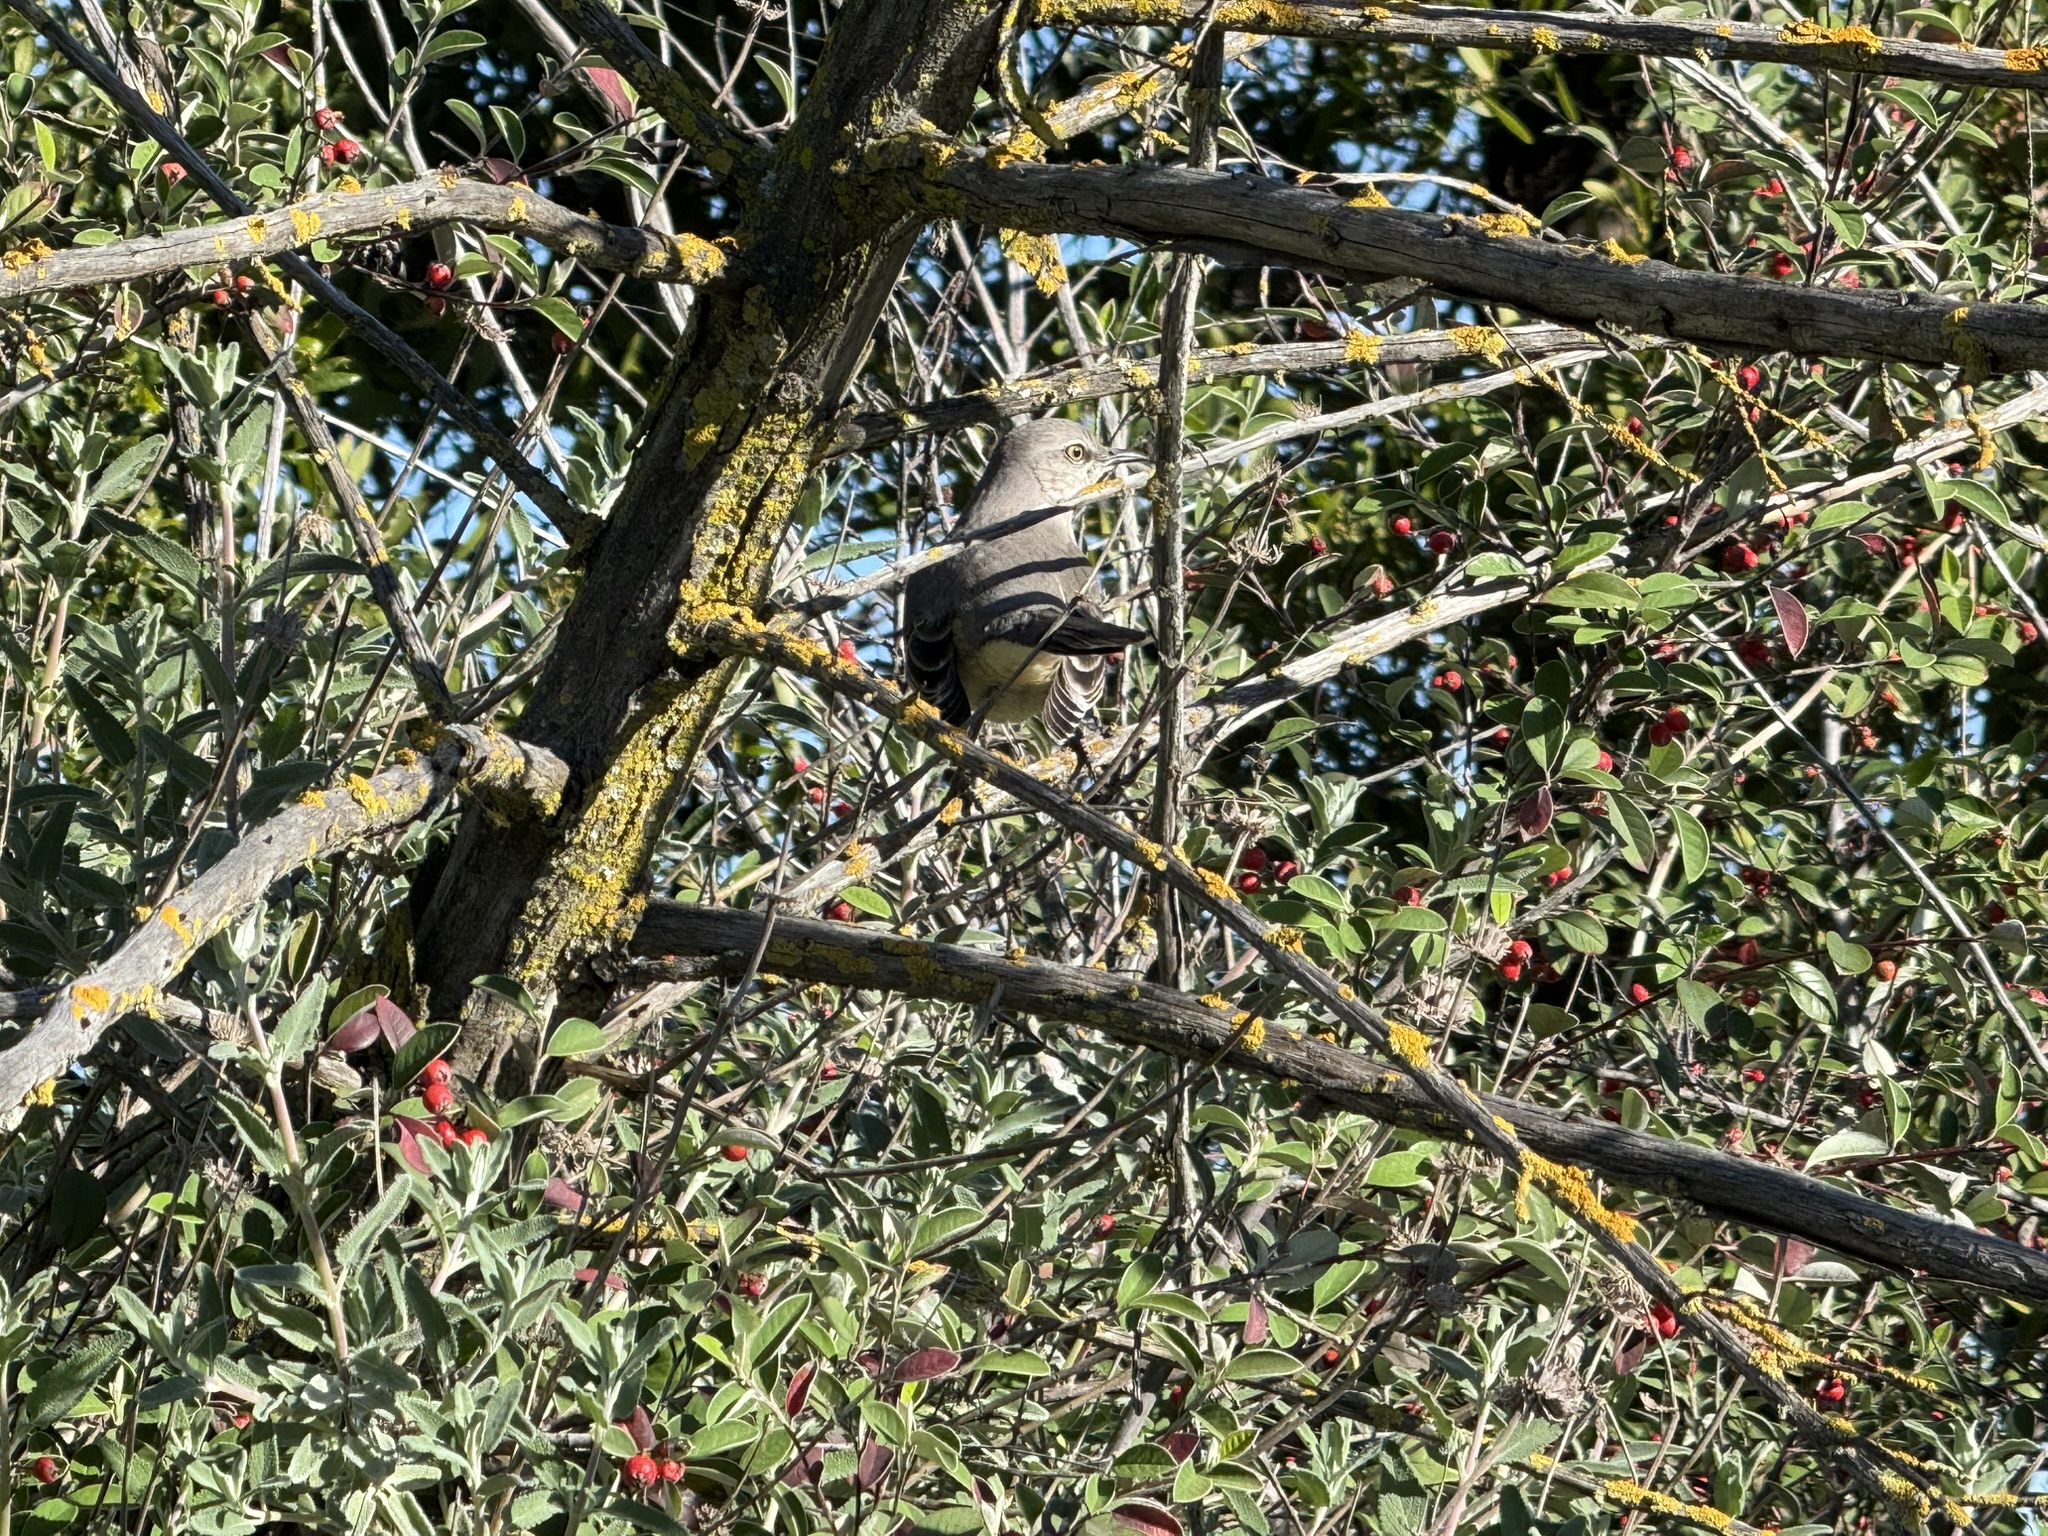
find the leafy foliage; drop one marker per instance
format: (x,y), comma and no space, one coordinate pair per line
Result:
(1750,779)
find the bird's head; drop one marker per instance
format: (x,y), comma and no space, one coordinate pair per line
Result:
(1052,463)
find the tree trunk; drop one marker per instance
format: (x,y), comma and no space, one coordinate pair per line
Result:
(721,463)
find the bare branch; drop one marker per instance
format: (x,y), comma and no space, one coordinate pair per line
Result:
(1754,1194)
(132,979)
(1103,377)
(1251,219)
(1805,44)
(411,207)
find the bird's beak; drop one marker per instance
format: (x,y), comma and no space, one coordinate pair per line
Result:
(1129,467)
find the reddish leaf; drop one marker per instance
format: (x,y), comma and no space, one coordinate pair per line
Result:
(1534,813)
(606,83)
(612,1281)
(409,1133)
(1793,1255)
(561,1196)
(925,1364)
(501,170)
(873,1465)
(1180,1445)
(1146,1518)
(1791,619)
(280,54)
(808,1467)
(799,1391)
(356,1031)
(640,1427)
(1257,1324)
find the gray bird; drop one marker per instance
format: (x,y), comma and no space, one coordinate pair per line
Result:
(1009,626)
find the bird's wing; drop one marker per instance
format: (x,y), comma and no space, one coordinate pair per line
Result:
(930,651)
(1063,631)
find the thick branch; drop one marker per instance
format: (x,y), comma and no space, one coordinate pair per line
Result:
(1254,220)
(132,979)
(1737,1189)
(412,207)
(1805,44)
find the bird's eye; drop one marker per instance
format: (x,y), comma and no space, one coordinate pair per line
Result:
(1076,452)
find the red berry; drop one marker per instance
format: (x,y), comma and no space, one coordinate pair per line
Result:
(734,1153)
(1886,969)
(1681,157)
(1330,1357)
(1639,992)
(1659,735)
(847,652)
(222,298)
(1318,545)
(1442,542)
(840,912)
(672,1471)
(475,1136)
(1248,882)
(1605,762)
(1285,871)
(1450,680)
(445,1133)
(1832,1391)
(1664,1320)
(440,275)
(1255,858)
(1738,558)
(641,1469)
(346,150)
(1772,188)
(1749,376)
(436,305)
(1782,264)
(1402,525)
(800,765)
(1407,895)
(815,794)
(1511,970)
(829,1071)
(1633,426)
(1559,876)
(172,171)
(329,154)
(45,1469)
(1751,997)
(437,1070)
(244,283)
(326,118)
(1521,949)
(1105,1223)
(1676,720)
(753,1285)
(439,1098)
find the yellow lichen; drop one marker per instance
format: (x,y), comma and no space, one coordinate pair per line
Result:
(28,252)
(859,860)
(1286,937)
(304,225)
(1148,853)
(1371,197)
(177,924)
(515,211)
(698,260)
(1569,1186)
(950,812)
(1216,886)
(2026,61)
(92,996)
(1479,341)
(259,229)
(1612,250)
(1408,1043)
(366,795)
(1543,39)
(1503,226)
(1858,42)
(1038,255)
(348,185)
(1361,346)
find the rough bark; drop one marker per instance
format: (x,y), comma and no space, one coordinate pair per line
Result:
(1738,1189)
(714,481)
(1251,220)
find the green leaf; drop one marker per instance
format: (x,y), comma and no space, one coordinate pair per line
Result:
(1638,842)
(1396,1170)
(575,1037)
(1261,1365)
(63,1386)
(411,1058)
(126,473)
(562,315)
(1318,890)
(1851,959)
(1693,847)
(449,42)
(871,902)
(1581,930)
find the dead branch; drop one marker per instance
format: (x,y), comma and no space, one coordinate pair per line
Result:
(1805,44)
(1255,220)
(132,979)
(1737,1189)
(410,207)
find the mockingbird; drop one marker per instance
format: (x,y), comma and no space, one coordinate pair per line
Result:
(1008,628)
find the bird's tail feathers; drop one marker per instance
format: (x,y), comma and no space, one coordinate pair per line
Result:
(1082,634)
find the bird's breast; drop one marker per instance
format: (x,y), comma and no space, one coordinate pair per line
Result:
(1019,675)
